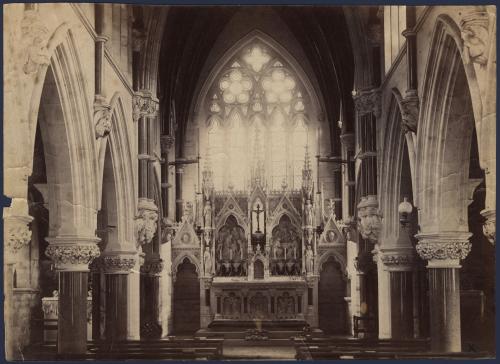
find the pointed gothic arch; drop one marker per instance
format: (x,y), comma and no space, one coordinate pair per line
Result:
(439,118)
(63,78)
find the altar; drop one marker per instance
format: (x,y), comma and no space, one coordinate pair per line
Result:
(258,252)
(273,299)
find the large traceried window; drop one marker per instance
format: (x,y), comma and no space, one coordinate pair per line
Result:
(257,114)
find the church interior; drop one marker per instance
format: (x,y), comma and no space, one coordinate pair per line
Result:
(242,182)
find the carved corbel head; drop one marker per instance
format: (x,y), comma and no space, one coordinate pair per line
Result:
(475,35)
(102,119)
(146,221)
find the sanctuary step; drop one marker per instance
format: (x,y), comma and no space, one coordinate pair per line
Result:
(276,330)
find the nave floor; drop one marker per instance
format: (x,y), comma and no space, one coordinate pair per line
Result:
(235,351)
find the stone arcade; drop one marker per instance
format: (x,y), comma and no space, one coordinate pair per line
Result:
(200,182)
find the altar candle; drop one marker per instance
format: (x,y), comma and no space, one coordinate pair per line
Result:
(241,254)
(230,253)
(294,252)
(285,253)
(220,254)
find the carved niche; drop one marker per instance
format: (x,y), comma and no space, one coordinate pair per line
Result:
(286,248)
(231,249)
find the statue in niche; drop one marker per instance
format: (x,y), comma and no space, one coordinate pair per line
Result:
(207,261)
(331,207)
(309,259)
(207,236)
(286,240)
(277,249)
(188,213)
(231,242)
(207,214)
(309,214)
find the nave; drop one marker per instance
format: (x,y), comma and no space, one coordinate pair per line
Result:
(193,182)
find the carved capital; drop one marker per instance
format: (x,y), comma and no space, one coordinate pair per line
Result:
(152,267)
(443,249)
(17,233)
(144,104)
(409,113)
(489,226)
(398,259)
(474,29)
(369,218)
(367,101)
(102,118)
(166,143)
(118,263)
(35,36)
(146,221)
(72,253)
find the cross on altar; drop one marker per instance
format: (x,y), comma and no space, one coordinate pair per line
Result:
(258,211)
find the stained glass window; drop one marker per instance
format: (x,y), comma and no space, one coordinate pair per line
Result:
(260,109)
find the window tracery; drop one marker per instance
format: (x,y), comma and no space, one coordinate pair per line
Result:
(258,113)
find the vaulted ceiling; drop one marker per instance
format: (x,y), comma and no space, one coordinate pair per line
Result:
(191,32)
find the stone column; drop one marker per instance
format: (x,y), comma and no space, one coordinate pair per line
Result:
(443,251)
(150,298)
(71,256)
(206,311)
(17,236)
(95,270)
(399,263)
(179,202)
(116,270)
